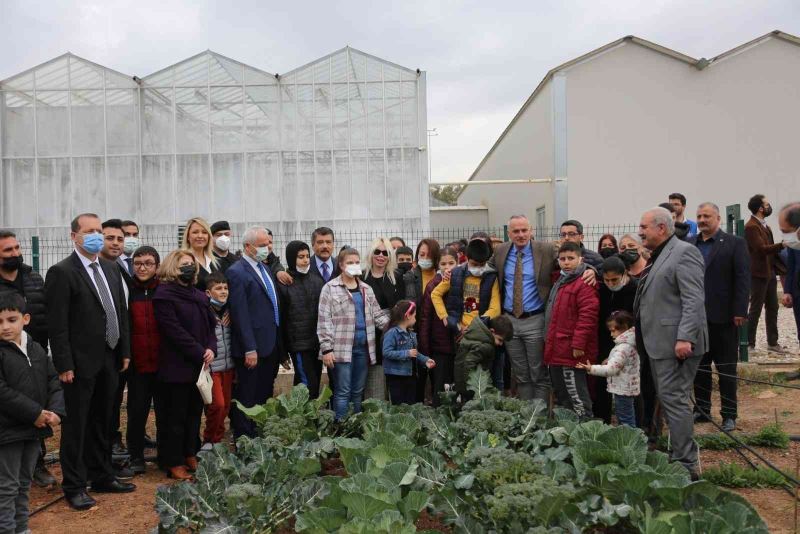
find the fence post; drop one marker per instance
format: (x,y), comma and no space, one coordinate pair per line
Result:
(35,252)
(505,232)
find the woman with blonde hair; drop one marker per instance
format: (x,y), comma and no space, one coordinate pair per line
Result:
(186,326)
(197,240)
(386,281)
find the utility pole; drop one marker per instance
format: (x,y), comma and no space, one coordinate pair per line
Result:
(431,133)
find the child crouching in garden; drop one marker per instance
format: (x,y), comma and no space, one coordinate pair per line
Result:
(400,353)
(621,368)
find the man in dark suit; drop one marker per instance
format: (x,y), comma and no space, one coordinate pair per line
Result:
(87,323)
(789,221)
(255,322)
(322,262)
(727,288)
(763,282)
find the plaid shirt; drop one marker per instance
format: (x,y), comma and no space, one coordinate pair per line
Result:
(336,327)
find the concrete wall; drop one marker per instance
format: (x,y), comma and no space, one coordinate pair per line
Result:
(525,152)
(642,125)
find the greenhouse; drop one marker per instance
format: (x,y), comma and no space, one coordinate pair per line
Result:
(338,142)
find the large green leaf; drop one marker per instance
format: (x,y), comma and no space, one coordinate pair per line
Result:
(479,382)
(400,473)
(364,506)
(320,520)
(294,402)
(412,504)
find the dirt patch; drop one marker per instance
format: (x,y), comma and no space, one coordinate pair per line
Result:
(333,467)
(429,522)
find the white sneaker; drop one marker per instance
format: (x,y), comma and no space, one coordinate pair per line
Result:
(777,348)
(207,446)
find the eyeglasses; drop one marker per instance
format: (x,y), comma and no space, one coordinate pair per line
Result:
(569,234)
(381,252)
(144,264)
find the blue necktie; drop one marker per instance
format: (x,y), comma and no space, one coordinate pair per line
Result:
(325,274)
(270,292)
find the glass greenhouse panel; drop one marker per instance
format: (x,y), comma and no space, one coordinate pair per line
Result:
(125,193)
(52,123)
(89,186)
(88,122)
(193,186)
(262,182)
(54,191)
(122,121)
(17,124)
(228,191)
(158,189)
(19,193)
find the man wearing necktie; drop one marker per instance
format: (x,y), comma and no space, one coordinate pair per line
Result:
(87,322)
(255,322)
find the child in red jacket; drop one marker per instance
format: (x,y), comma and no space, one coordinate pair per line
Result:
(571,326)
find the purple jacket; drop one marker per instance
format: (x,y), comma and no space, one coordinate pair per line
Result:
(186,324)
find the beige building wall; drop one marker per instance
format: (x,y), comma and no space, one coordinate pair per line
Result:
(525,152)
(459,217)
(641,125)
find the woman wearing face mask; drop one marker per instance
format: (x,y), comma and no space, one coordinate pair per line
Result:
(435,339)
(197,240)
(607,246)
(300,310)
(186,326)
(383,277)
(633,254)
(418,278)
(617,292)
(348,316)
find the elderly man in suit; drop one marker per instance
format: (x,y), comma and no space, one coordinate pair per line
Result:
(727,287)
(789,222)
(763,274)
(87,322)
(255,322)
(524,269)
(671,327)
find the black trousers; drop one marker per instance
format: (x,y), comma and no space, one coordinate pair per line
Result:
(253,386)
(308,370)
(723,341)
(442,374)
(763,294)
(402,389)
(143,391)
(116,431)
(422,383)
(646,402)
(85,445)
(602,402)
(180,437)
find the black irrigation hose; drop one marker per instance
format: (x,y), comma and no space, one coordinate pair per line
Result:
(46,505)
(737,441)
(752,380)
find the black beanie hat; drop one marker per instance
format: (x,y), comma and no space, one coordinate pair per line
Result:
(219,226)
(478,250)
(292,250)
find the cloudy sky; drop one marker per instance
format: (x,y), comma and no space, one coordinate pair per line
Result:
(483,58)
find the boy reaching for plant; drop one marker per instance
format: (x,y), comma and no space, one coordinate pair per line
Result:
(621,368)
(478,348)
(571,326)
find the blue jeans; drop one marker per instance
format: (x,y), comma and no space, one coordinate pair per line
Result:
(498,366)
(625,410)
(349,381)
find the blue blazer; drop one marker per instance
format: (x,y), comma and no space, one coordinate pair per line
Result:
(793,273)
(252,314)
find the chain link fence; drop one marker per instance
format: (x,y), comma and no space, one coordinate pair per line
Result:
(45,251)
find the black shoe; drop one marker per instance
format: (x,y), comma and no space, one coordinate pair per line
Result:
(149,443)
(701,418)
(138,466)
(80,501)
(123,473)
(114,486)
(42,477)
(694,475)
(118,449)
(729,424)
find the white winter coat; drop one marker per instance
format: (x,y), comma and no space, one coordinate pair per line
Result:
(622,368)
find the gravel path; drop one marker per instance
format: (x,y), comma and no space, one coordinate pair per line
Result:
(787,336)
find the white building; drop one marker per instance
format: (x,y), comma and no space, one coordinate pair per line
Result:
(618,129)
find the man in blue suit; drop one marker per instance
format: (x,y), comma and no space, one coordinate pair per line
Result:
(255,322)
(789,222)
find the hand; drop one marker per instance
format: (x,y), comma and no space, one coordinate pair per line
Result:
(589,277)
(41,421)
(430,364)
(226,318)
(328,360)
(577,353)
(284,278)
(445,322)
(251,360)
(446,276)
(53,419)
(208,357)
(412,353)
(683,349)
(787,300)
(587,366)
(67,377)
(740,321)
(126,362)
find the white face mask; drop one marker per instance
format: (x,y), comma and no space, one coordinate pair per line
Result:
(425,264)
(303,270)
(223,243)
(791,240)
(353,270)
(477,271)
(130,246)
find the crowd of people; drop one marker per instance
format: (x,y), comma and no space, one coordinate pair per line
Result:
(631,329)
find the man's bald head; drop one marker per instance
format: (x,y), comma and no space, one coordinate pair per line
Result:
(789,218)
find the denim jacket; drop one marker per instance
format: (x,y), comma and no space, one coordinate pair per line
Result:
(396,344)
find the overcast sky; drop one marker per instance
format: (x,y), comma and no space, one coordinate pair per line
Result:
(483,59)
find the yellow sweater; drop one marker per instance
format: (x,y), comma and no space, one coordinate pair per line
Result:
(427,276)
(472,290)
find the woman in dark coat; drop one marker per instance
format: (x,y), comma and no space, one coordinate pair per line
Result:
(188,342)
(300,309)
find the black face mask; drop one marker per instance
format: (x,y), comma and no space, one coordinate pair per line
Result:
(630,256)
(187,274)
(11,264)
(767,211)
(404,267)
(607,252)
